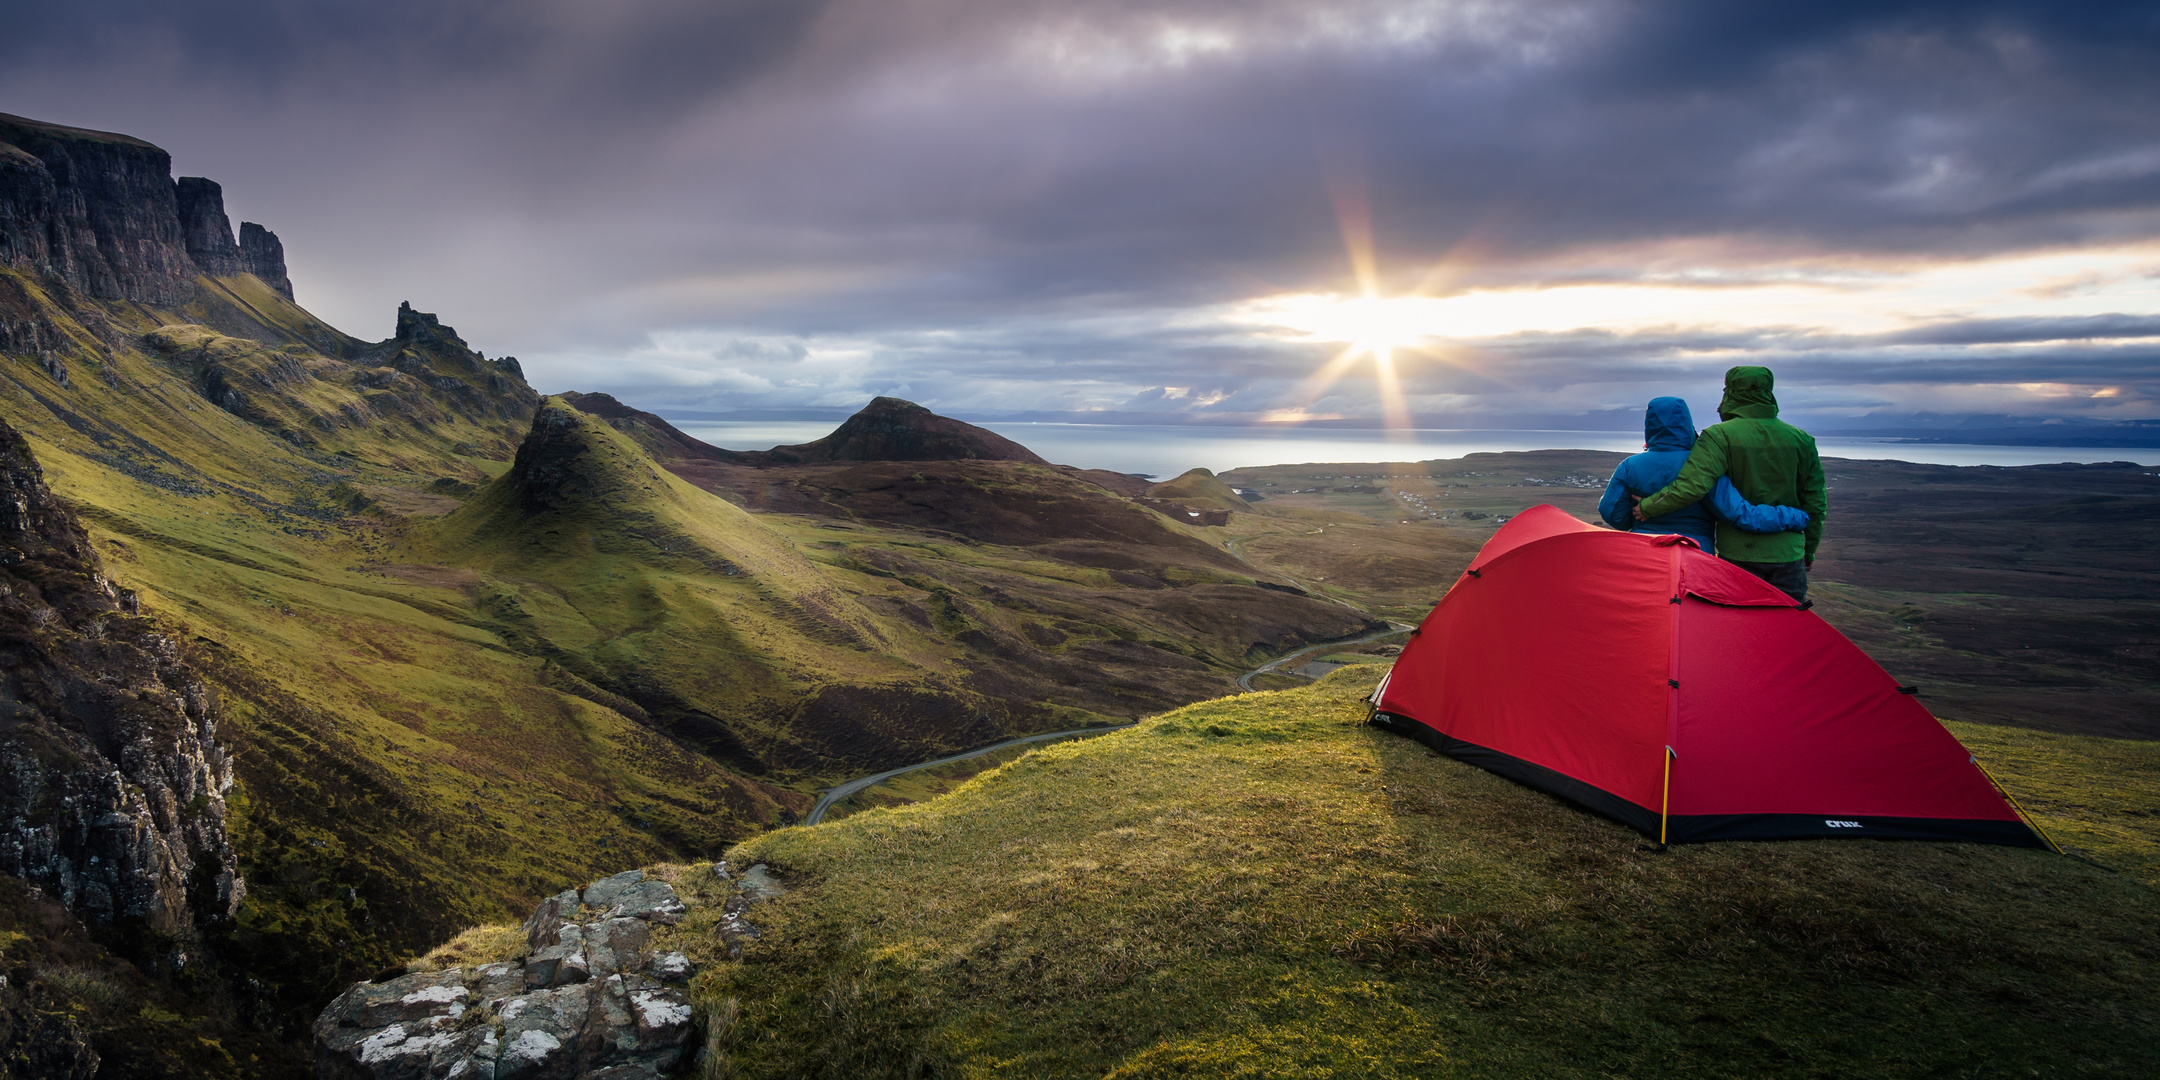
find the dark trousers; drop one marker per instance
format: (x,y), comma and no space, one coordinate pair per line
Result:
(1789,577)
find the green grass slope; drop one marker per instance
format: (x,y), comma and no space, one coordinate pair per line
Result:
(1263,886)
(669,597)
(805,650)
(404,769)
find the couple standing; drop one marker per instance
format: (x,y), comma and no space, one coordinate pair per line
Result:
(1749,489)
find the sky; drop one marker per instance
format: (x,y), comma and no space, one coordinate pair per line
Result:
(1454,214)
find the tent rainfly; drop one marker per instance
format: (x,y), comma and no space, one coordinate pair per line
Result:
(1674,692)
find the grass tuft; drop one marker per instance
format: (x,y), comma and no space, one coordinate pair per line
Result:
(473,946)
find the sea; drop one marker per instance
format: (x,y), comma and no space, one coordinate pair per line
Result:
(1166,451)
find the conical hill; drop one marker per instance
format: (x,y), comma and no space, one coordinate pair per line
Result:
(890,429)
(1199,487)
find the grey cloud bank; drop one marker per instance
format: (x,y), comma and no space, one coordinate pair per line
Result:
(996,208)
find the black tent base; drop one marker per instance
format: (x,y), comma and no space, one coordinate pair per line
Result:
(1699,828)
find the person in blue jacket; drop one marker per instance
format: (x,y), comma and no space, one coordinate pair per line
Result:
(1668,435)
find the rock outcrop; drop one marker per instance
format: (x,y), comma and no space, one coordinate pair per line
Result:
(889,429)
(204,227)
(101,213)
(112,783)
(425,353)
(92,209)
(263,256)
(550,472)
(592,999)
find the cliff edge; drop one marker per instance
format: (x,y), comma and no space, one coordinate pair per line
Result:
(114,792)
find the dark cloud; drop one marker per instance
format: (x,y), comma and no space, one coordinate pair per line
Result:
(790,201)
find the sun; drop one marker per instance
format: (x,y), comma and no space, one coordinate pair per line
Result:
(1369,324)
(1375,324)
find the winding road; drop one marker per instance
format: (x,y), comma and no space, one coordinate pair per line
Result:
(833,795)
(1244,681)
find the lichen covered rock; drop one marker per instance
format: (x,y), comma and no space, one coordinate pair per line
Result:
(590,1001)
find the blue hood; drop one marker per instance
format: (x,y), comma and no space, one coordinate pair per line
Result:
(1667,425)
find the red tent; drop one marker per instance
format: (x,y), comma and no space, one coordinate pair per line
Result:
(1676,693)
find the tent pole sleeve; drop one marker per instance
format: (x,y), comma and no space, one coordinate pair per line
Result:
(1672,683)
(2015,805)
(1665,803)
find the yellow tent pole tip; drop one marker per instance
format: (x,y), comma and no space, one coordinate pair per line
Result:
(2030,821)
(1665,805)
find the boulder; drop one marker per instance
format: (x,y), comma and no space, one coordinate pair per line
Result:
(654,901)
(618,945)
(590,1002)
(549,917)
(397,1029)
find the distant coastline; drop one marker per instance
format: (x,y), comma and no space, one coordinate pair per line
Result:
(1164,450)
(1922,431)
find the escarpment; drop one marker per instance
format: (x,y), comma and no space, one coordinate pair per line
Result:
(102,214)
(112,782)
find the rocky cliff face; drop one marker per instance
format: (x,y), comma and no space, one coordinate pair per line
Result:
(102,213)
(204,226)
(95,210)
(112,783)
(549,472)
(263,256)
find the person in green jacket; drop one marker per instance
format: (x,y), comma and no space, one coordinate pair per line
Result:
(1769,461)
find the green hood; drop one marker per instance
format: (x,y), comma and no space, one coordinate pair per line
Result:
(1747,394)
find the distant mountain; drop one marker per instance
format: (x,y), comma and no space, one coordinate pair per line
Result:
(889,429)
(659,438)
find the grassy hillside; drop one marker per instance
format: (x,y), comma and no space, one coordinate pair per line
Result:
(700,615)
(1262,886)
(403,772)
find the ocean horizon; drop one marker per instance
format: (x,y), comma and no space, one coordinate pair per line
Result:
(1166,450)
